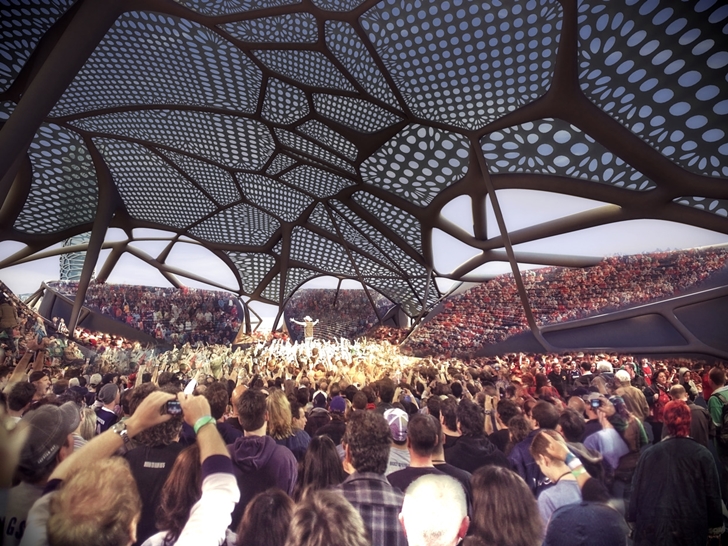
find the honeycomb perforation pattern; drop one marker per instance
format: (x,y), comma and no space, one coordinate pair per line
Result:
(716,206)
(63,191)
(369,267)
(397,291)
(403,223)
(252,268)
(320,253)
(151,189)
(289,28)
(238,225)
(278,248)
(304,66)
(328,137)
(552,146)
(227,7)
(284,103)
(466,64)
(272,291)
(22,24)
(320,218)
(216,181)
(232,141)
(359,241)
(6,109)
(358,114)
(70,265)
(304,146)
(337,5)
(295,277)
(394,253)
(280,163)
(167,61)
(316,182)
(282,201)
(661,75)
(345,44)
(418,163)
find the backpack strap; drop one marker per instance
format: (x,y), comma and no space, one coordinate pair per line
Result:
(720,396)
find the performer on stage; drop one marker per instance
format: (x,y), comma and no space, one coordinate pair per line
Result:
(308,325)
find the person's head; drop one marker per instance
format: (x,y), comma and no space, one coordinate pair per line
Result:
(518,428)
(539,451)
(280,419)
(21,396)
(324,518)
(49,441)
(386,390)
(87,427)
(585,365)
(298,415)
(504,509)
(572,425)
(180,492)
(320,468)
(398,422)
(678,392)
(109,394)
(359,401)
(99,504)
(218,397)
(252,412)
(659,377)
(623,377)
(545,415)
(266,520)
(577,404)
(434,512)
(41,382)
(716,377)
(162,434)
(367,441)
(448,413)
(470,418)
(423,434)
(677,418)
(433,407)
(506,410)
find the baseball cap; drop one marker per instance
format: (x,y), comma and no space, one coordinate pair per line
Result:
(48,426)
(397,420)
(95,379)
(338,404)
(108,393)
(319,401)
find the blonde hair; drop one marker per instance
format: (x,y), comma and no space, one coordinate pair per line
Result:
(87,428)
(324,518)
(99,504)
(279,415)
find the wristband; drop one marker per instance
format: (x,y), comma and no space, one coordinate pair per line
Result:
(569,457)
(202,421)
(574,463)
(578,471)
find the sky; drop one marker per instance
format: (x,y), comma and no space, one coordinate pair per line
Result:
(521,208)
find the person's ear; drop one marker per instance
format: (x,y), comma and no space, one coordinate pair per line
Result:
(464,526)
(401,522)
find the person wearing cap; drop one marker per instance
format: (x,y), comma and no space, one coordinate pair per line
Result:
(41,382)
(50,441)
(94,382)
(105,415)
(308,325)
(399,457)
(634,398)
(366,450)
(422,439)
(337,427)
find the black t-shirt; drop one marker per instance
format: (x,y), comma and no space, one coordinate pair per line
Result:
(403,478)
(500,439)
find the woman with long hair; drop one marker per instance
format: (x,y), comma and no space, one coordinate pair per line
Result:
(280,424)
(266,520)
(504,510)
(320,468)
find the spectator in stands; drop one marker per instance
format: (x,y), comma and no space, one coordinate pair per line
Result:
(325,518)
(434,512)
(670,506)
(504,510)
(366,448)
(259,462)
(543,416)
(422,439)
(473,449)
(50,441)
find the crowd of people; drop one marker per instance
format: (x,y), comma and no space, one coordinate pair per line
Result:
(340,313)
(492,311)
(319,443)
(170,315)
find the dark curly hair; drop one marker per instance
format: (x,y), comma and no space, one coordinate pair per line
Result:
(448,412)
(368,437)
(162,434)
(218,397)
(471,418)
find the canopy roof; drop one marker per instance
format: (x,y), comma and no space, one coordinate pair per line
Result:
(295,139)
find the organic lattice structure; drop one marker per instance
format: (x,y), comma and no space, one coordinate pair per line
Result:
(302,138)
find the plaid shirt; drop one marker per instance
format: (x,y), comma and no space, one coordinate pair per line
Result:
(379,505)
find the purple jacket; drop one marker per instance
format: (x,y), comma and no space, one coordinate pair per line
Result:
(524,465)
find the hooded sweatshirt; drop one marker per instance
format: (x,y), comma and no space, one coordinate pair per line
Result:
(472,452)
(259,463)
